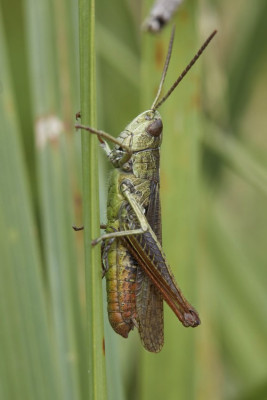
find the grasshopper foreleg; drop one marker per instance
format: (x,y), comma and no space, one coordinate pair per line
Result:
(116,235)
(104,135)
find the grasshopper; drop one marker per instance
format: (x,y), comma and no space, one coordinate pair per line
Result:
(138,277)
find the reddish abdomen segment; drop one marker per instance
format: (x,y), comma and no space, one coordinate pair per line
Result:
(121,287)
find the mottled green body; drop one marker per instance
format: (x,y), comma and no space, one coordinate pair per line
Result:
(121,268)
(138,275)
(127,284)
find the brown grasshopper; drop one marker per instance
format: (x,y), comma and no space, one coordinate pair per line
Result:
(138,277)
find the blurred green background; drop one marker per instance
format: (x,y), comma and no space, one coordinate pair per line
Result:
(213,191)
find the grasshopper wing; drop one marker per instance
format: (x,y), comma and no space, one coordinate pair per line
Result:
(149,302)
(148,252)
(151,258)
(149,308)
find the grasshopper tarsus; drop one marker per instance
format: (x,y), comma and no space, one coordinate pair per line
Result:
(104,271)
(81,228)
(77,228)
(94,242)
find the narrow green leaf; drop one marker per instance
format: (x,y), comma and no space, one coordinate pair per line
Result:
(96,343)
(123,60)
(27,366)
(236,156)
(247,50)
(53,110)
(242,325)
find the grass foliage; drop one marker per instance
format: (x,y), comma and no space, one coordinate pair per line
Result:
(56,58)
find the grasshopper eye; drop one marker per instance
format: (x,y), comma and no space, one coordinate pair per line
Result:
(155,128)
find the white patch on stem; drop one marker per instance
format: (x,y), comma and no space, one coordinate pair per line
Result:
(47,128)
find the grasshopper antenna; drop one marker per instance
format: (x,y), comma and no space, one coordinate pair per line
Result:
(189,66)
(165,69)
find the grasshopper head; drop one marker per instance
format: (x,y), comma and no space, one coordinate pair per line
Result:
(144,132)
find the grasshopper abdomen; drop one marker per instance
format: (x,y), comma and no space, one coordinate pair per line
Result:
(121,288)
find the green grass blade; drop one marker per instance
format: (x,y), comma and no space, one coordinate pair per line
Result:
(53,110)
(236,156)
(96,343)
(27,362)
(123,60)
(244,57)
(241,324)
